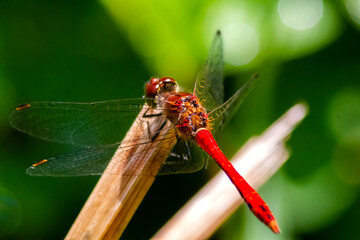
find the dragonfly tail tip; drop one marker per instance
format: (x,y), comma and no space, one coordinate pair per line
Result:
(274,226)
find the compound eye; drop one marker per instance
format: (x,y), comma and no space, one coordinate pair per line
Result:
(154,80)
(152,87)
(167,79)
(167,84)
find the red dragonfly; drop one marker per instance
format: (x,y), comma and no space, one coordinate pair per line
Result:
(98,127)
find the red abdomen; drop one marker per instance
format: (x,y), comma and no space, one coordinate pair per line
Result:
(255,203)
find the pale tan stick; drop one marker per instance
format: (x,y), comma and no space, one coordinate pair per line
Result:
(125,182)
(257,161)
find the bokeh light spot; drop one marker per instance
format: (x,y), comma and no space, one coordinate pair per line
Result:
(353,7)
(240,35)
(300,15)
(241,43)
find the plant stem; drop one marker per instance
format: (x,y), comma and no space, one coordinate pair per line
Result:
(124,183)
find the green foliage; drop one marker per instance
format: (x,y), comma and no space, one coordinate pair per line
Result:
(91,51)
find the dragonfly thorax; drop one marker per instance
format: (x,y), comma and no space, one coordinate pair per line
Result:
(185,111)
(156,87)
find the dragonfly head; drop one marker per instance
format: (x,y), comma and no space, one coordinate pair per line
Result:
(157,86)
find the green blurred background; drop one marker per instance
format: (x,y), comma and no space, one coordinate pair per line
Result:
(304,50)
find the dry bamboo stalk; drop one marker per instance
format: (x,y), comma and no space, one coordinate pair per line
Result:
(257,161)
(120,190)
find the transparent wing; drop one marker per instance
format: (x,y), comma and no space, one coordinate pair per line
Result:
(209,88)
(96,126)
(91,161)
(209,85)
(220,115)
(94,160)
(88,161)
(81,124)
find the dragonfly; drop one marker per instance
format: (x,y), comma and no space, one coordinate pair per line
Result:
(99,127)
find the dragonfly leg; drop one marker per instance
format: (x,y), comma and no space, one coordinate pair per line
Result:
(153,136)
(184,149)
(145,115)
(175,155)
(187,161)
(157,132)
(186,153)
(179,167)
